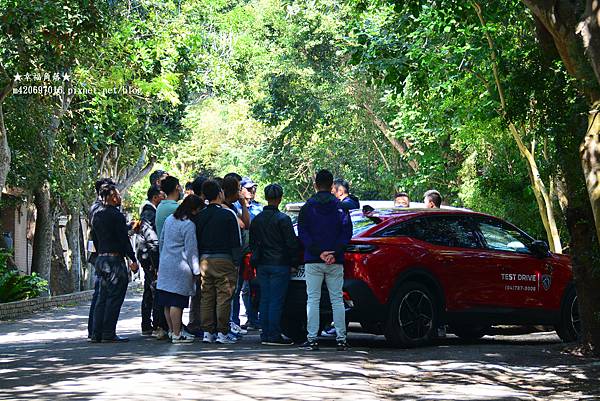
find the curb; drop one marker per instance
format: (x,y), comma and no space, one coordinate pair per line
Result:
(20,309)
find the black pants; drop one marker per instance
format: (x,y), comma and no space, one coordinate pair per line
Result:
(113,280)
(93,306)
(153,316)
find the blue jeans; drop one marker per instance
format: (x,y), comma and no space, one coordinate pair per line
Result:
(235,302)
(251,313)
(274,282)
(334,278)
(113,278)
(93,305)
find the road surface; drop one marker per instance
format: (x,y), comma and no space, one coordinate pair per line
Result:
(47,357)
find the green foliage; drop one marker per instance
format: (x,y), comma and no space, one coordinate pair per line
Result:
(16,287)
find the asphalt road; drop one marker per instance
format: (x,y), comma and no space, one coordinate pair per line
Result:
(46,357)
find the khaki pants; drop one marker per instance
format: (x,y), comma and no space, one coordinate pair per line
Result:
(219,278)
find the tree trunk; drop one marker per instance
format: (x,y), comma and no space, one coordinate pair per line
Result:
(73,228)
(590,160)
(42,239)
(584,246)
(542,196)
(4,151)
(60,282)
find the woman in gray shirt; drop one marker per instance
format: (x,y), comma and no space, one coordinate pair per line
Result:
(179,265)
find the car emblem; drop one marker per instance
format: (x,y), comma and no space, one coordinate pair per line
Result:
(546,281)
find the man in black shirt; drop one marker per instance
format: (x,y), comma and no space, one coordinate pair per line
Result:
(110,232)
(218,234)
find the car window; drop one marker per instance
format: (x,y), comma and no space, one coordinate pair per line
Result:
(503,237)
(451,231)
(361,224)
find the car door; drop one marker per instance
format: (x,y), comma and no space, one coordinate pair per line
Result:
(525,279)
(455,255)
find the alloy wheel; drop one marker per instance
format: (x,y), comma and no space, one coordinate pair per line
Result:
(415,315)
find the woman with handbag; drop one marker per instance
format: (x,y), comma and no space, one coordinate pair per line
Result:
(275,250)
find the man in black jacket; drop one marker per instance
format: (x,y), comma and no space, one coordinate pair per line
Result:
(275,248)
(110,232)
(341,190)
(147,254)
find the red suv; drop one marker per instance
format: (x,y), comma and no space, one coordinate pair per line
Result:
(409,272)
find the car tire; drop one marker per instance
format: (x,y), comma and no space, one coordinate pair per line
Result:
(413,317)
(569,328)
(470,333)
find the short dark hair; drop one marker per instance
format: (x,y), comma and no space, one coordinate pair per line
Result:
(169,185)
(219,181)
(340,182)
(106,190)
(231,186)
(153,191)
(324,180)
(234,175)
(273,191)
(211,190)
(434,196)
(197,184)
(98,184)
(401,195)
(189,204)
(156,175)
(188,186)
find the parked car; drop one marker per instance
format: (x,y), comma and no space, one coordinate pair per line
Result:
(411,271)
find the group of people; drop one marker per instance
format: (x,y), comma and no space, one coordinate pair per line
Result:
(191,244)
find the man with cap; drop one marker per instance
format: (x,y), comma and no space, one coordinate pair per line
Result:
(249,193)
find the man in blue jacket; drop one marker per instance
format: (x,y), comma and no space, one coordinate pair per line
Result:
(324,229)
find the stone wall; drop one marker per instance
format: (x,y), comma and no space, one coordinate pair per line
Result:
(18,309)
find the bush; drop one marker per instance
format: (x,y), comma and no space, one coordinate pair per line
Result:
(15,287)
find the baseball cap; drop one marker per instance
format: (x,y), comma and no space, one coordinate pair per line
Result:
(248,183)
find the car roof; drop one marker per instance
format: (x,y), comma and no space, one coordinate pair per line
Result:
(381,205)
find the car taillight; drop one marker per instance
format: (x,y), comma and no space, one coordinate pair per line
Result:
(360,248)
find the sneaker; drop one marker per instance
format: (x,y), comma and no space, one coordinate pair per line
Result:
(147,332)
(226,338)
(342,345)
(235,329)
(310,345)
(181,339)
(208,338)
(161,334)
(115,339)
(186,333)
(278,341)
(251,327)
(329,332)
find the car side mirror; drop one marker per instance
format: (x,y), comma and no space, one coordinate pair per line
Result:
(539,248)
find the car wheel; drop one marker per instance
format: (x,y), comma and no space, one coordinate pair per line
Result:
(470,332)
(569,328)
(413,317)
